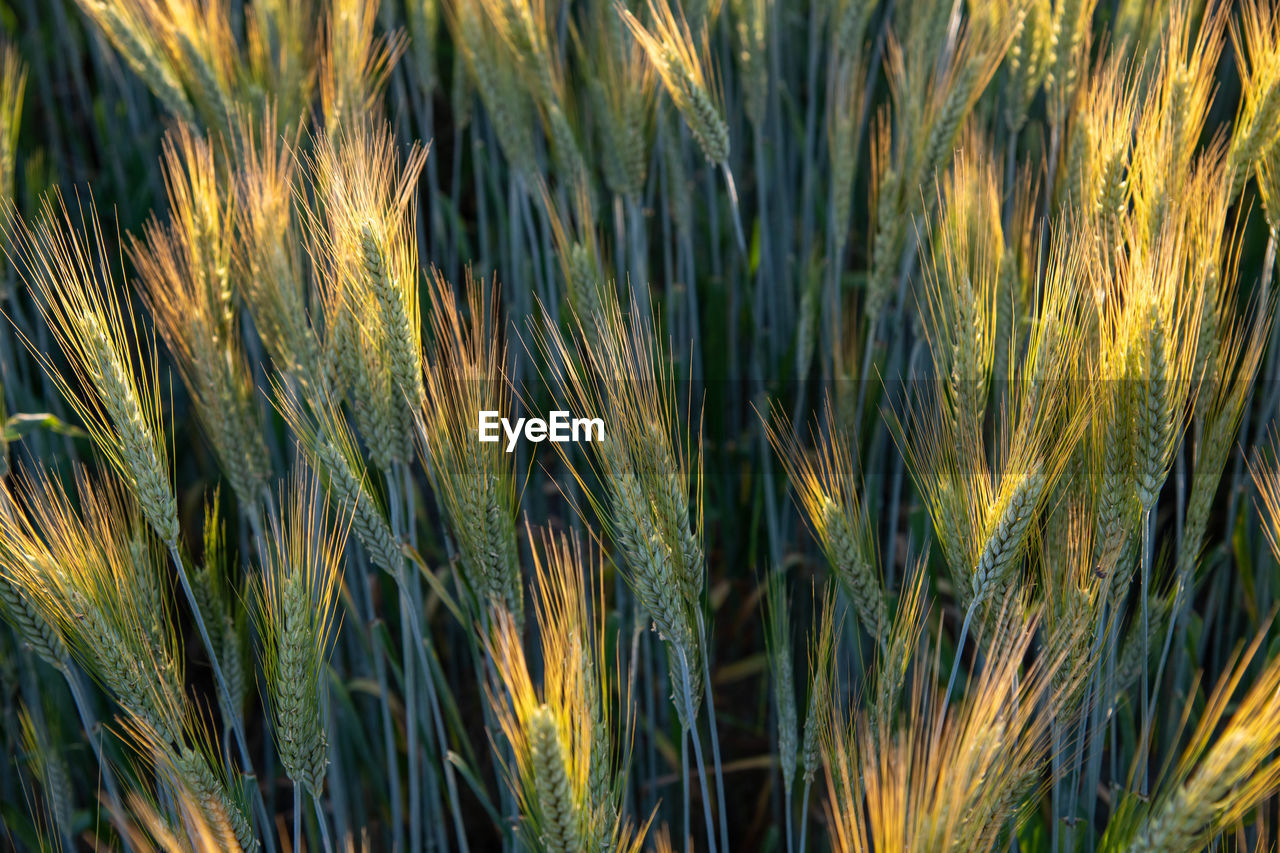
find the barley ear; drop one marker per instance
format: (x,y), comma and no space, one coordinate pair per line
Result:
(559,825)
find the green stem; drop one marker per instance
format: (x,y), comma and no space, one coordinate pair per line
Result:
(225,693)
(804,813)
(1148,519)
(786,812)
(433,701)
(324,827)
(684,783)
(409,673)
(721,803)
(297,815)
(955,664)
(733,208)
(691,726)
(90,723)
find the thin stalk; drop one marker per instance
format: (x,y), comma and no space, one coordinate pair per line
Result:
(90,723)
(636,245)
(297,815)
(620,240)
(864,373)
(732,189)
(650,709)
(517,288)
(433,700)
(695,346)
(721,802)
(1269,263)
(536,262)
(410,678)
(764,270)
(774,116)
(691,726)
(786,811)
(1147,521)
(477,171)
(804,813)
(223,691)
(411,725)
(339,801)
(955,663)
(1179,600)
(1055,794)
(324,828)
(388,725)
(810,135)
(1093,707)
(1112,720)
(831,332)
(269,807)
(684,783)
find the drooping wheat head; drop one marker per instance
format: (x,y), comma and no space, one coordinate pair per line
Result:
(941,784)
(128,26)
(354,65)
(324,435)
(269,250)
(185,272)
(200,800)
(112,384)
(647,471)
(465,374)
(567,771)
(685,70)
(526,29)
(983,499)
(185,51)
(1226,768)
(621,92)
(829,494)
(96,576)
(497,82)
(48,766)
(295,607)
(33,630)
(1256,38)
(13,84)
(367,269)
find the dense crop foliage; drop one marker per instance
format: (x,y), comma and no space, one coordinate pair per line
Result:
(935,498)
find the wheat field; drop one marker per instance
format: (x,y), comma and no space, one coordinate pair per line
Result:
(916,371)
